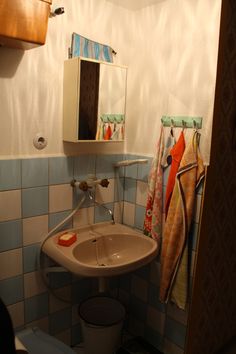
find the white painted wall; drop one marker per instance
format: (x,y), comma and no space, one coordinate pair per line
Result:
(175,53)
(170,47)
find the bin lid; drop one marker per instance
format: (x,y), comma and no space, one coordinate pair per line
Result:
(101,311)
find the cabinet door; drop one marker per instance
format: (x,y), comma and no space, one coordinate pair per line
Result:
(23,23)
(94,97)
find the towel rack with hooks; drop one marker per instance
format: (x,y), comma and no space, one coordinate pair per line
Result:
(112,118)
(182,122)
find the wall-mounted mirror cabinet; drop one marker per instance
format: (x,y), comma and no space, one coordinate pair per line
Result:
(94,99)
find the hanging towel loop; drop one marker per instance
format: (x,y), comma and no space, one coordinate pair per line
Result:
(195,126)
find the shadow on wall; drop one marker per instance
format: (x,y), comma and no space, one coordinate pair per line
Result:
(9,61)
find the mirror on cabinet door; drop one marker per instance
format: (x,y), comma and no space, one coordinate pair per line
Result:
(94,100)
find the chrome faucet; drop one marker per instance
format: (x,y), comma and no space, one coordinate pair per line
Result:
(103,206)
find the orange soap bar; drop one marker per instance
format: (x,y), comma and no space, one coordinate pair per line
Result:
(67,239)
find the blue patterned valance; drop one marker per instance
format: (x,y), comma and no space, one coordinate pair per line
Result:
(87,48)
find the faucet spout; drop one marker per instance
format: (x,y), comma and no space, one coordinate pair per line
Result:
(109,211)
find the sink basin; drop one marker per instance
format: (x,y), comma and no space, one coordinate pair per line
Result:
(103,250)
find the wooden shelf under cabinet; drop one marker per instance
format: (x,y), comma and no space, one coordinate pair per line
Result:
(23,23)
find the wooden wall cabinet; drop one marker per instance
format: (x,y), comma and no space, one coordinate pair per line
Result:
(23,23)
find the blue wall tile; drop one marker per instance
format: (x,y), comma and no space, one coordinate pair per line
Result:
(119,171)
(139,217)
(131,171)
(30,258)
(12,290)
(36,307)
(81,289)
(58,280)
(119,189)
(83,166)
(56,218)
(175,332)
(34,172)
(78,195)
(34,201)
(101,214)
(60,321)
(10,174)
(144,169)
(105,166)
(61,169)
(130,190)
(153,297)
(10,235)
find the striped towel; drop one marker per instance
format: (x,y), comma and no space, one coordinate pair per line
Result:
(84,47)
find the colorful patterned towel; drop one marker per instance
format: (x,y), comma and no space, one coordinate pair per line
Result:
(178,223)
(176,154)
(153,215)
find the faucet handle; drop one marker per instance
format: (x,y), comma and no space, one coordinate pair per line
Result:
(83,186)
(104,182)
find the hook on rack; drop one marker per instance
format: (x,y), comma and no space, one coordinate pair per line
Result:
(195,125)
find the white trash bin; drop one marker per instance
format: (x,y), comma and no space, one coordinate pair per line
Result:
(101,321)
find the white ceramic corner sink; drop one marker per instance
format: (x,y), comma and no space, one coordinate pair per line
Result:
(103,250)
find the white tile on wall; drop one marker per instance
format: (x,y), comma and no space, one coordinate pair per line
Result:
(141,194)
(10,205)
(16,312)
(60,197)
(83,217)
(10,263)
(33,284)
(128,214)
(105,195)
(156,319)
(34,229)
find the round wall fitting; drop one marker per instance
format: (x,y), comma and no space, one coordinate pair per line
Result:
(40,142)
